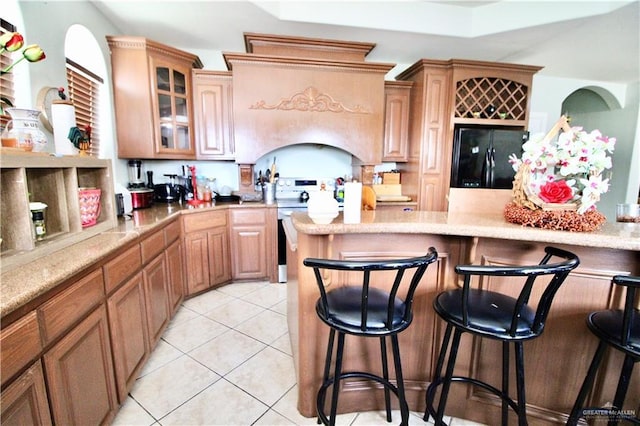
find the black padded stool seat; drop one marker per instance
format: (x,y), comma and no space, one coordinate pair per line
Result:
(368,311)
(493,315)
(619,329)
(345,312)
(488,313)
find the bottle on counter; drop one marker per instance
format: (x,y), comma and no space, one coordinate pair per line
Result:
(37,216)
(207,193)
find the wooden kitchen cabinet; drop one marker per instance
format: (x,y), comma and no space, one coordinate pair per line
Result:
(397,97)
(128,325)
(174,256)
(25,402)
(253,245)
(92,334)
(127,316)
(219,256)
(197,261)
(449,92)
(79,372)
(156,292)
(206,241)
(213,115)
(175,270)
(153,98)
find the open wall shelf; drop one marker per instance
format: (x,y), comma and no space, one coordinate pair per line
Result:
(54,181)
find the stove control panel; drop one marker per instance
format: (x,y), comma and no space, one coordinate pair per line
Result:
(288,188)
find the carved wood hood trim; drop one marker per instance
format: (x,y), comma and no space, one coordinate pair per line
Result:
(311,99)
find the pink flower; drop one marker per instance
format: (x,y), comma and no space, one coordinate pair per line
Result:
(556,192)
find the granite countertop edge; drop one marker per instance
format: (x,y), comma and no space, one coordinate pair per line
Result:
(620,236)
(21,285)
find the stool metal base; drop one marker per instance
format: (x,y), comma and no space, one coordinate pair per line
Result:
(518,407)
(334,381)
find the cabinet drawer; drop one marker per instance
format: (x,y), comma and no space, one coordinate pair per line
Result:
(119,269)
(65,309)
(171,233)
(248,216)
(19,345)
(205,220)
(152,246)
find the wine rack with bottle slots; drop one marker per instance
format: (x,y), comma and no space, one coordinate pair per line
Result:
(491,98)
(53,181)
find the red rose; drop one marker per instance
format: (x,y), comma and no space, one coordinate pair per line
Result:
(556,192)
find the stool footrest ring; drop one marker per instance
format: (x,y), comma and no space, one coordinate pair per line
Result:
(348,375)
(431,389)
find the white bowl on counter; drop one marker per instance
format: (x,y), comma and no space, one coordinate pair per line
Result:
(322,208)
(323,218)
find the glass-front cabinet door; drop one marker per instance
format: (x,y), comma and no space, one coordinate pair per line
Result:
(173,109)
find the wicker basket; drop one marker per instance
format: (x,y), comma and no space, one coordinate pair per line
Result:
(89,206)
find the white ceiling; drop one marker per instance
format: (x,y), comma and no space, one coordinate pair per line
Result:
(590,40)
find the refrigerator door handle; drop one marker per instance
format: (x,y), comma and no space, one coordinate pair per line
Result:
(492,166)
(486,169)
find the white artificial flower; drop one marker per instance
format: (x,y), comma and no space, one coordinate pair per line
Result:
(576,156)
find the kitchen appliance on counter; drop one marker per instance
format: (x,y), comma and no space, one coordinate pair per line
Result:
(169,192)
(292,194)
(141,198)
(141,194)
(136,175)
(481,156)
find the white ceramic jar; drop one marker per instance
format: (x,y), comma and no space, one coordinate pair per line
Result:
(23,131)
(322,208)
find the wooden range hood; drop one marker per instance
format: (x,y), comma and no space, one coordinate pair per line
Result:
(293,90)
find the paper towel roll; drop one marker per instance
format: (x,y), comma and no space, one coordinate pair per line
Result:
(352,202)
(63,118)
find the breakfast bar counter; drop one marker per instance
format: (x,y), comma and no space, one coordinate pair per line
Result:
(555,363)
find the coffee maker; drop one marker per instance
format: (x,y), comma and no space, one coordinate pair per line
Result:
(136,180)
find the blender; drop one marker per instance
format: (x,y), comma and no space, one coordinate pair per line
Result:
(141,196)
(136,180)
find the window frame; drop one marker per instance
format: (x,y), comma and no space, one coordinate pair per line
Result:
(84,92)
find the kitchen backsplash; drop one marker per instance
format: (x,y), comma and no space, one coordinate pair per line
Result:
(304,160)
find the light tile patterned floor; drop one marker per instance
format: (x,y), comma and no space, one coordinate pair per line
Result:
(225,359)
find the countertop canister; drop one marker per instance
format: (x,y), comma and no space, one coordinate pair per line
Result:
(352,202)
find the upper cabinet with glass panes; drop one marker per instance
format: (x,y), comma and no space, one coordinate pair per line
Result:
(153,101)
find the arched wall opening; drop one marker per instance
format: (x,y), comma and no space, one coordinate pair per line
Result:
(81,46)
(593,107)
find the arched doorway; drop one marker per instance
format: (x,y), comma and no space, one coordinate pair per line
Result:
(593,107)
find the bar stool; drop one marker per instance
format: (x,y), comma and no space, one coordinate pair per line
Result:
(619,329)
(368,311)
(489,314)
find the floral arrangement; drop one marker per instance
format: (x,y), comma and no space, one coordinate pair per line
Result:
(561,178)
(13,41)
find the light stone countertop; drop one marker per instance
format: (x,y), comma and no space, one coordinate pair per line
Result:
(613,235)
(23,284)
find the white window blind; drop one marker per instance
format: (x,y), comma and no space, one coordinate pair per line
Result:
(84,92)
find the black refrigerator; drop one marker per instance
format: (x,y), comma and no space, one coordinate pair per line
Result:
(481,157)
